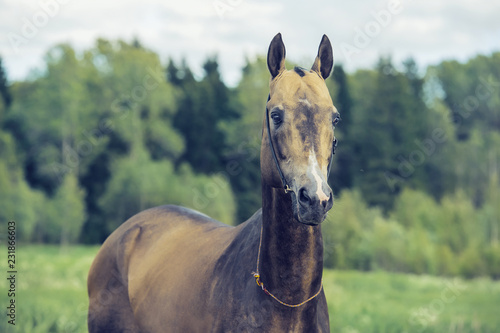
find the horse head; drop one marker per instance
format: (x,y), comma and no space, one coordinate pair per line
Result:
(299,140)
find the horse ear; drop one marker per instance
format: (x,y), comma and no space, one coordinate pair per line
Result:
(323,63)
(276,56)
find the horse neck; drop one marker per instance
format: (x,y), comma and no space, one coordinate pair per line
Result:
(291,264)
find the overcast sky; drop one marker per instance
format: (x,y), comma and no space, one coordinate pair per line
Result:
(360,31)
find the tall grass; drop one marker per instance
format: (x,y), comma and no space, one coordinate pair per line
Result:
(381,302)
(52,292)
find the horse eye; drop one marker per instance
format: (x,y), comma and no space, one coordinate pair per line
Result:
(277,118)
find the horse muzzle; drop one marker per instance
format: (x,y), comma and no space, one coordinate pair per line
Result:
(311,205)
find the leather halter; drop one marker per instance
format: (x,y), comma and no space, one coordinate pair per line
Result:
(282,176)
(287,188)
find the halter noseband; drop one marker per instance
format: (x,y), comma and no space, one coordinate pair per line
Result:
(283,179)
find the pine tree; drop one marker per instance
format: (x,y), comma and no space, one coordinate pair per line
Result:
(343,162)
(386,137)
(201,109)
(172,73)
(4,86)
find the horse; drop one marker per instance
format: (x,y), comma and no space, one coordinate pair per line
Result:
(173,269)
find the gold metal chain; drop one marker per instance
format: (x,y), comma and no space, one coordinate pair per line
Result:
(256,275)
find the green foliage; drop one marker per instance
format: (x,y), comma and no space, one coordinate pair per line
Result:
(58,99)
(436,175)
(64,214)
(416,209)
(477,162)
(138,183)
(137,98)
(472,93)
(492,260)
(6,100)
(389,245)
(18,202)
(242,152)
(446,261)
(420,236)
(342,175)
(391,122)
(471,262)
(202,107)
(458,214)
(54,220)
(346,231)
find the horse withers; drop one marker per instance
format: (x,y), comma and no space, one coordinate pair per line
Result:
(172,269)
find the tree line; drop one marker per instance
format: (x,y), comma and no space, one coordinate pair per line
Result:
(94,137)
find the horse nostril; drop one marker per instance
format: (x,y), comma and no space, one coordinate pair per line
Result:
(328,202)
(304,197)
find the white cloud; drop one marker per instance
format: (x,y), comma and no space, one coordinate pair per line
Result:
(427,30)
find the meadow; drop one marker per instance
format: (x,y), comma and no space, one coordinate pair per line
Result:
(52,297)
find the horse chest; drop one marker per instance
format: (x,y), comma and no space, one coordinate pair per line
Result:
(262,314)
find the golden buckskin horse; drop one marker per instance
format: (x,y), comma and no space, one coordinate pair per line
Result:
(172,269)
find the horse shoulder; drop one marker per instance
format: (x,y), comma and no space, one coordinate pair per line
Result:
(170,265)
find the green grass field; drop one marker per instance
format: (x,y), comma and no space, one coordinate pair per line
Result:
(51,297)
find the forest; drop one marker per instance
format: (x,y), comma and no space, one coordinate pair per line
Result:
(96,136)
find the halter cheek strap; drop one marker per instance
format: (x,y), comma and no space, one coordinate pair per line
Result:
(283,179)
(273,152)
